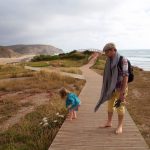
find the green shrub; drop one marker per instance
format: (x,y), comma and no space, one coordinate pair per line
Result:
(45,58)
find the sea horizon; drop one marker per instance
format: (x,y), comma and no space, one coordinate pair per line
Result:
(138,57)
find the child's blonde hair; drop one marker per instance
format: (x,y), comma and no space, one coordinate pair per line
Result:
(63,92)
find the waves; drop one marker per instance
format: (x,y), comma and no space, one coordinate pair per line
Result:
(139,58)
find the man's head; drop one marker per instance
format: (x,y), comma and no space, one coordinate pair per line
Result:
(110,49)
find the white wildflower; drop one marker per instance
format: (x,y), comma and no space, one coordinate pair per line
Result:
(45,124)
(61,116)
(57,114)
(55,121)
(41,123)
(44,119)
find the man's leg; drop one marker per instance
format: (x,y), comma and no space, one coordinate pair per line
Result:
(121,113)
(110,111)
(120,124)
(109,121)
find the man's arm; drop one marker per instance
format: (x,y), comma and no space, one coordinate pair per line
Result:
(125,78)
(123,88)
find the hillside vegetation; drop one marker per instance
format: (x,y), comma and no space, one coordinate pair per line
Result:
(72,59)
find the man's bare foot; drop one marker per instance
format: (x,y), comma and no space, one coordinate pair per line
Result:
(107,125)
(118,130)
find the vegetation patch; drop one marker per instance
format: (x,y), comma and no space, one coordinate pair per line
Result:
(139,104)
(72,59)
(14,71)
(37,130)
(38,64)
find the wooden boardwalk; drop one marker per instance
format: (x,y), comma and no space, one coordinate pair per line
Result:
(84,134)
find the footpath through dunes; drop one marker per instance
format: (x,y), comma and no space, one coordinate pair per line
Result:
(84,134)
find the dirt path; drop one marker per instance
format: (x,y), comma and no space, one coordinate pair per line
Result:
(36,100)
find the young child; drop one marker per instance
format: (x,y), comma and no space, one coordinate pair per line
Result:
(72,102)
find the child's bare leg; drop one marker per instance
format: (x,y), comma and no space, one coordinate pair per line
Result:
(74,114)
(70,115)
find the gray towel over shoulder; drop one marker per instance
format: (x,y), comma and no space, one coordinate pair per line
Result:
(109,79)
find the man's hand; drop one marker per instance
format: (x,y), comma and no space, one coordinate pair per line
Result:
(122,97)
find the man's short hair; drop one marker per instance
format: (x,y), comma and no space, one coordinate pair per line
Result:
(109,46)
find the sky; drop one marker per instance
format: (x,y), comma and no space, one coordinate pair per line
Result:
(76,24)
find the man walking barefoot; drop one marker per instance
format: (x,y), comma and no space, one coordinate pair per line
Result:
(114,86)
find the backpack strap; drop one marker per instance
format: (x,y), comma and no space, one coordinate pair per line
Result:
(120,63)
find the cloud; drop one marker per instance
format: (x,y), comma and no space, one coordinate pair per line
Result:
(73,24)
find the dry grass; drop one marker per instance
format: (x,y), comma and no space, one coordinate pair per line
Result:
(41,80)
(74,70)
(10,104)
(139,102)
(31,133)
(58,63)
(13,71)
(67,63)
(38,64)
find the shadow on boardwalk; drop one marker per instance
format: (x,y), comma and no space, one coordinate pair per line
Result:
(84,134)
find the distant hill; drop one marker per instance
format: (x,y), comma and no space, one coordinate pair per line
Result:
(19,50)
(35,49)
(7,53)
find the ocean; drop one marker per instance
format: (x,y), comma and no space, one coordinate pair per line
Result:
(139,58)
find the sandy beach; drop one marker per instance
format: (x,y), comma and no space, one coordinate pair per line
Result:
(16,59)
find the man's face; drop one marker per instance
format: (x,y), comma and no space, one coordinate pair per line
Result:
(110,53)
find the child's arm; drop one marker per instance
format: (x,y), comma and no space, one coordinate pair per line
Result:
(68,107)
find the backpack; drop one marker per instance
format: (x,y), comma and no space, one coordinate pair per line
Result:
(130,69)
